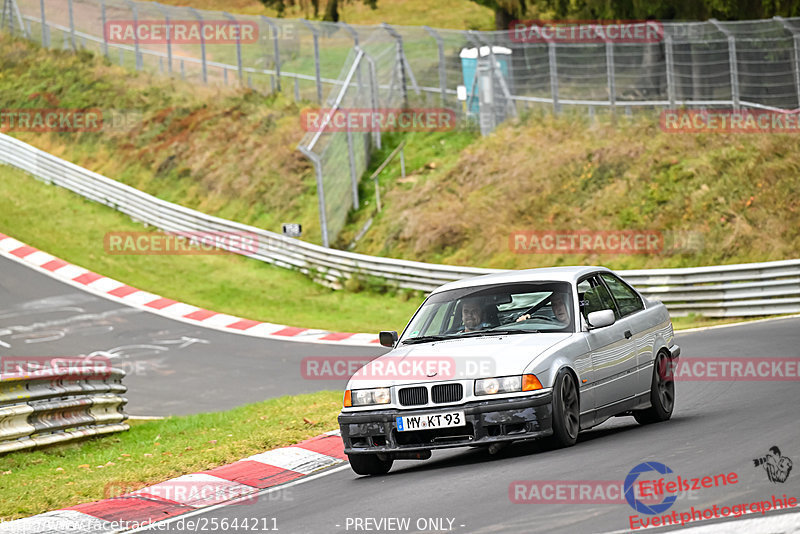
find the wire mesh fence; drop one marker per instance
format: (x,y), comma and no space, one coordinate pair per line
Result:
(483,78)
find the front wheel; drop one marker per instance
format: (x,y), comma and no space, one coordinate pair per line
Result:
(566,411)
(662,393)
(369,464)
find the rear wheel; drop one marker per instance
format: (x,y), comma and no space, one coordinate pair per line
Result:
(662,393)
(566,411)
(369,464)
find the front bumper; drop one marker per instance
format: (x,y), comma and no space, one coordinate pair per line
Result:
(487,421)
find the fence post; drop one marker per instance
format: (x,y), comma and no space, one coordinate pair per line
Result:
(442,71)
(373,94)
(323,219)
(732,59)
(354,35)
(238,45)
(315,33)
(796,62)
(670,66)
(132,7)
(551,52)
(199,18)
(353,176)
(169,35)
(399,61)
(496,73)
(104,21)
(71,26)
(45,33)
(612,83)
(276,50)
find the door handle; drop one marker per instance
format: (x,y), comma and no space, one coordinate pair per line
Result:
(628,334)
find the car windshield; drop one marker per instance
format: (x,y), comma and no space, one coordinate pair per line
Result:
(493,310)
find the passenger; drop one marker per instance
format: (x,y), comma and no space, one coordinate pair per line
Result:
(558,302)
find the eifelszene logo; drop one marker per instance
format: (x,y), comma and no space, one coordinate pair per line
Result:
(638,505)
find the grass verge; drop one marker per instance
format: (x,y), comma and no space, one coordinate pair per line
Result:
(36,481)
(72,228)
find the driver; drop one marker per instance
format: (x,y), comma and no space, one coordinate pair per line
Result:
(472,314)
(560,310)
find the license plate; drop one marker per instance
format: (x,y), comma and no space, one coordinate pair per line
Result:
(428,421)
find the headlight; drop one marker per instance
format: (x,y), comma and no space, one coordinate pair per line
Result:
(506,384)
(366,397)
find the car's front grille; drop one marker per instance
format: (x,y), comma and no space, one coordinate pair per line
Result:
(413,396)
(447,393)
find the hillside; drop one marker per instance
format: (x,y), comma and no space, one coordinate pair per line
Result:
(455,14)
(717,198)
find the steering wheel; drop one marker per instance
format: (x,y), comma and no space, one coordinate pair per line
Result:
(542,317)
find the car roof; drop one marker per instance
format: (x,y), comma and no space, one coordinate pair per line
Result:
(548,274)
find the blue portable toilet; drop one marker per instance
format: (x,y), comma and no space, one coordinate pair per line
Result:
(469,65)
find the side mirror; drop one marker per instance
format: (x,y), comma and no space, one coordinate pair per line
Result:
(388,338)
(599,319)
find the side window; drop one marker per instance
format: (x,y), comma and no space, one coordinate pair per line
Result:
(595,297)
(627,299)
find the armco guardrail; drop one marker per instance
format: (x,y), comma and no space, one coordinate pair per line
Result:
(53,405)
(724,291)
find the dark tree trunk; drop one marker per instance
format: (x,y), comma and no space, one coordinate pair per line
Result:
(332,11)
(503,19)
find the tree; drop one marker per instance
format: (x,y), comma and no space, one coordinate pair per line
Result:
(508,10)
(331,7)
(505,11)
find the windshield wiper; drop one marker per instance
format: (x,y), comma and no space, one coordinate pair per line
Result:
(480,333)
(424,339)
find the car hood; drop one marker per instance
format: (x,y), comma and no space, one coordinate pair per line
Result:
(455,359)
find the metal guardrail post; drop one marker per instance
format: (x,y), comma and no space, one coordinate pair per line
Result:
(442,70)
(45,32)
(670,66)
(796,63)
(315,34)
(169,35)
(71,26)
(238,45)
(323,218)
(199,17)
(733,60)
(137,53)
(276,50)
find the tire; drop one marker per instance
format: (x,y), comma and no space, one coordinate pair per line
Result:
(566,411)
(369,464)
(662,393)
